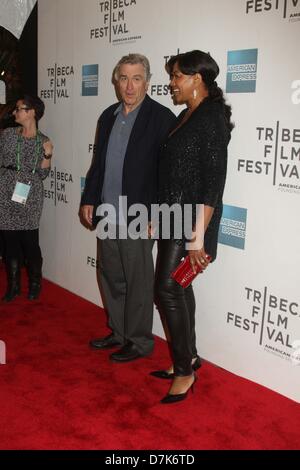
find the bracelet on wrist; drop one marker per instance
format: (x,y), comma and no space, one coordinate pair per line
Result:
(47,157)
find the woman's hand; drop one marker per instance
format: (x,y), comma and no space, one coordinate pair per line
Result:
(48,148)
(200,258)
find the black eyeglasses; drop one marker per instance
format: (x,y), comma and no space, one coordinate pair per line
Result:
(20,108)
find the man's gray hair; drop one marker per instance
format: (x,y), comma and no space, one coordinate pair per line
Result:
(133,59)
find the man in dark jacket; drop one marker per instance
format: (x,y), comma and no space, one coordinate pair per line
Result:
(125,164)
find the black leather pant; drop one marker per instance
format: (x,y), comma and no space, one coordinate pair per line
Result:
(177,305)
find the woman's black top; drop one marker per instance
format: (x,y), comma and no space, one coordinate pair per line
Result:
(193,165)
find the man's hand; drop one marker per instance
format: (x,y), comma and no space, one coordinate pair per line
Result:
(86,213)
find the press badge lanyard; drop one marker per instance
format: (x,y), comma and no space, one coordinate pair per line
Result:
(21,191)
(37,148)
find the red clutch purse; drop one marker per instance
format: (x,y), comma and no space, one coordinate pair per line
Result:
(184,274)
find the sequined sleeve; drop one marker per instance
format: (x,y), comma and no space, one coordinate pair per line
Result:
(215,161)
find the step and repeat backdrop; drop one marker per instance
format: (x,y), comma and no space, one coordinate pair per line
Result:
(248,301)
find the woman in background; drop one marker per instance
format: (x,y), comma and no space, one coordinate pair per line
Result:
(25,159)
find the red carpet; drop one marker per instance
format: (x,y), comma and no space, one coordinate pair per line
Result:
(56,393)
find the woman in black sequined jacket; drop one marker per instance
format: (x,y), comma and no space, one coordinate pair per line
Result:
(192,171)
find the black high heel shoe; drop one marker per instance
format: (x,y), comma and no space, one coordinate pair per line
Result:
(169,398)
(164,374)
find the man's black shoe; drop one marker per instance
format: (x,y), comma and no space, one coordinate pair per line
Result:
(104,343)
(127,353)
